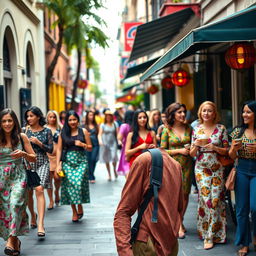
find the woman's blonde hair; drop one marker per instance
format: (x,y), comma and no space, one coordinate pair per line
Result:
(216,118)
(151,117)
(58,124)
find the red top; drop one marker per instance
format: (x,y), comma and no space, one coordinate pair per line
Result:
(148,140)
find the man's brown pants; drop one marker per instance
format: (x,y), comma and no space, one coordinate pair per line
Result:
(147,249)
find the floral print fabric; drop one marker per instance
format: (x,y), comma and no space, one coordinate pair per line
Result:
(75,186)
(211,223)
(170,141)
(13,200)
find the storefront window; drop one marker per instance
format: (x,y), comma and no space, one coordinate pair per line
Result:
(245,87)
(224,94)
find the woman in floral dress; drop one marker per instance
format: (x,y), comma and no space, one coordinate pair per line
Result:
(209,140)
(173,140)
(13,216)
(71,158)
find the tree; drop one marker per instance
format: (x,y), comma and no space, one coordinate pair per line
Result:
(69,18)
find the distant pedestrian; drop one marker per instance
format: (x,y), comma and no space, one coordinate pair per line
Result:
(124,167)
(71,158)
(210,139)
(162,126)
(154,120)
(108,142)
(42,142)
(141,137)
(244,149)
(92,156)
(14,219)
(62,116)
(53,123)
(153,238)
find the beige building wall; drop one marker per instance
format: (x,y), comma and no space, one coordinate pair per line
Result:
(22,24)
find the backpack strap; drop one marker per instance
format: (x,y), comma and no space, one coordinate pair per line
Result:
(155,184)
(156,178)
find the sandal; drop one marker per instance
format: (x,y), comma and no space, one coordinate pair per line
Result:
(208,245)
(241,252)
(32,225)
(11,251)
(80,215)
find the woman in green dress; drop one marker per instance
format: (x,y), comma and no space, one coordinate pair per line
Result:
(176,140)
(71,158)
(13,200)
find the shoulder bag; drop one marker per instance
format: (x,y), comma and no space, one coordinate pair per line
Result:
(230,182)
(33,179)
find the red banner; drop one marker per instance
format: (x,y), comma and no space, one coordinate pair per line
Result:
(130,29)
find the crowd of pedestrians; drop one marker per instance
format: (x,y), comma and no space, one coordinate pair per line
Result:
(64,151)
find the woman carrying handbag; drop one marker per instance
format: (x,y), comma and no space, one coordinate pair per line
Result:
(243,147)
(73,161)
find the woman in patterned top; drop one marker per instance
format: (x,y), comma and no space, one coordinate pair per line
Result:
(140,138)
(210,139)
(71,158)
(244,148)
(53,123)
(173,140)
(14,219)
(42,143)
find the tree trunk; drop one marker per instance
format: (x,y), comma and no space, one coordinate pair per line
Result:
(51,68)
(75,84)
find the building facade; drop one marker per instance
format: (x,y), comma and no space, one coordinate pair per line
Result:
(22,65)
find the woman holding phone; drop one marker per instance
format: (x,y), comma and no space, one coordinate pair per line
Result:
(243,148)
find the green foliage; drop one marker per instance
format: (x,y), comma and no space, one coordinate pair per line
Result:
(95,90)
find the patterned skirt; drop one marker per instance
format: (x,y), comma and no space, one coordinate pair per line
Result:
(75,186)
(13,197)
(42,167)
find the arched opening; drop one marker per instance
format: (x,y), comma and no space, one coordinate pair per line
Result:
(5,90)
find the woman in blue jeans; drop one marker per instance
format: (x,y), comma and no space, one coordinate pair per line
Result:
(92,156)
(244,148)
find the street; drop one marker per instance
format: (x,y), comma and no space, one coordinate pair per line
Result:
(94,235)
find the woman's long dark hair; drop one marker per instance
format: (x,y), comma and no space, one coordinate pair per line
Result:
(171,110)
(128,117)
(252,106)
(66,130)
(15,131)
(86,124)
(135,125)
(36,111)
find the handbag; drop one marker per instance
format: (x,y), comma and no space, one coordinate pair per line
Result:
(230,182)
(33,179)
(225,160)
(119,146)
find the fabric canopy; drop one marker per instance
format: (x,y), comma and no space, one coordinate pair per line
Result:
(240,26)
(155,35)
(128,88)
(138,69)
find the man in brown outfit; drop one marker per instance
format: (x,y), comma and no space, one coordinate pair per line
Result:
(153,238)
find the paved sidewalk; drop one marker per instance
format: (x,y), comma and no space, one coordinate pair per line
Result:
(93,236)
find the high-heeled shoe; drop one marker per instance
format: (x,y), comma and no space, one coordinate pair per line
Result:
(11,251)
(80,215)
(41,234)
(32,225)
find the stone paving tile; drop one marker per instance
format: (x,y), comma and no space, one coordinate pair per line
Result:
(94,235)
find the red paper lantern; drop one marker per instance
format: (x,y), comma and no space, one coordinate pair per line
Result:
(153,89)
(180,77)
(240,56)
(82,84)
(167,82)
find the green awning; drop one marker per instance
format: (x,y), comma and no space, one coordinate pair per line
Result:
(240,26)
(128,88)
(138,69)
(155,35)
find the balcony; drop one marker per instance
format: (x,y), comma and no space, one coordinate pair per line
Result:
(169,7)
